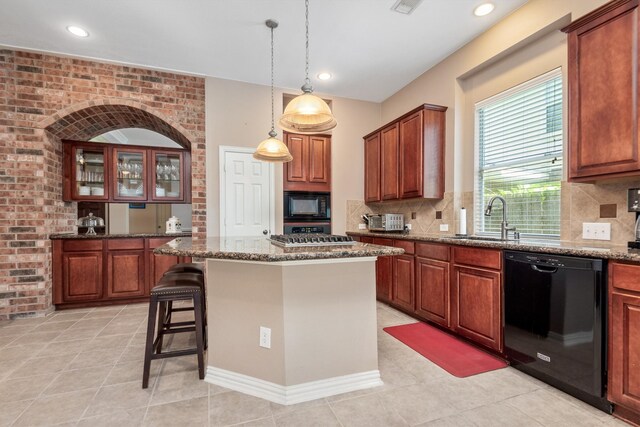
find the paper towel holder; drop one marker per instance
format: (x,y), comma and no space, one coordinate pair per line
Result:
(462,227)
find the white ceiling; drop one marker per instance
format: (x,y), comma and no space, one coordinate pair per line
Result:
(371,50)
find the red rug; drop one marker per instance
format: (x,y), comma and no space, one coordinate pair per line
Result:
(454,356)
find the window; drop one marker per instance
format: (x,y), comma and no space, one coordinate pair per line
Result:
(519,140)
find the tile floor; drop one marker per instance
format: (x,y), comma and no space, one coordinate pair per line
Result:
(84,368)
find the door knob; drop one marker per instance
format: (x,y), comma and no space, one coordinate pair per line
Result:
(265,232)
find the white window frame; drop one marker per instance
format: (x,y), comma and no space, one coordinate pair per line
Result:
(478,190)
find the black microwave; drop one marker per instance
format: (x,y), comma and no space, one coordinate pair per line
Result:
(305,206)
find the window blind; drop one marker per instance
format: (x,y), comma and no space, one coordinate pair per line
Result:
(519,141)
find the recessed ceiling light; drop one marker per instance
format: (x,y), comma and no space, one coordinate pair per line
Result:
(324,76)
(77,31)
(484,9)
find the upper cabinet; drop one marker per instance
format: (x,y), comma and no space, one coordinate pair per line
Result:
(310,169)
(117,173)
(405,158)
(603,95)
(130,170)
(86,167)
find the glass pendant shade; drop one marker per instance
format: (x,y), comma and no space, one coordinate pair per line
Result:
(307,113)
(272,150)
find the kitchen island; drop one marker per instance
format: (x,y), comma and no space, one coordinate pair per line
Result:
(288,324)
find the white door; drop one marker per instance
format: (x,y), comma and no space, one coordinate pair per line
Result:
(246,200)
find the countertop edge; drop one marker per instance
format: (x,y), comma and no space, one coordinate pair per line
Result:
(614,253)
(74,236)
(294,256)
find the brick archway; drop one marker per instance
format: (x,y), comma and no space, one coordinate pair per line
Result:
(48,98)
(88,120)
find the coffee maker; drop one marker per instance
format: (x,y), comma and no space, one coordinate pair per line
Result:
(634,206)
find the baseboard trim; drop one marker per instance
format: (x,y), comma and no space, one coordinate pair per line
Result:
(289,395)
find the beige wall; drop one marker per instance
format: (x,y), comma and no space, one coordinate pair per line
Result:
(443,84)
(239,114)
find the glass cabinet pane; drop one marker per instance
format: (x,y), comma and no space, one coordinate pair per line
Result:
(168,175)
(130,169)
(89,172)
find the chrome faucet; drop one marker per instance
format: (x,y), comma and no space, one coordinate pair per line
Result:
(504,225)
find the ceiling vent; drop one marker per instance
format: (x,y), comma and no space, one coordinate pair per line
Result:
(406,6)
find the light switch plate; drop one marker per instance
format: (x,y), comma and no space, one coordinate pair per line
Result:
(596,230)
(444,227)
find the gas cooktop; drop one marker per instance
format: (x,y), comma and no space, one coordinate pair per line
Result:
(303,239)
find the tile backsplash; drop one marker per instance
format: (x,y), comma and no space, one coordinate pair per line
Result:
(579,203)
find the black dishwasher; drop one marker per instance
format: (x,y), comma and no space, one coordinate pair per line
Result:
(555,322)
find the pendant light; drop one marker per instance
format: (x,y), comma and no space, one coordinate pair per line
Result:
(272,149)
(307,113)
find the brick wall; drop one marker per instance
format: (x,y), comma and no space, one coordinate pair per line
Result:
(46,98)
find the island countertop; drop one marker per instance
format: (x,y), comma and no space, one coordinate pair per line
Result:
(261,249)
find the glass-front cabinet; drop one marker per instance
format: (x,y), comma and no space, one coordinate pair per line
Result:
(109,172)
(130,169)
(167,175)
(90,176)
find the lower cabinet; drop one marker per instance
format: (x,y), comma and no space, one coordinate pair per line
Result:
(403,284)
(384,272)
(125,268)
(79,269)
(624,340)
(432,283)
(99,271)
(476,311)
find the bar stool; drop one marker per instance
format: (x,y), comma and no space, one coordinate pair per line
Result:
(174,287)
(186,267)
(191,273)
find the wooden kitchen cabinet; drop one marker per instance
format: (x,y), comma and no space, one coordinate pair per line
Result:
(405,158)
(77,270)
(403,286)
(389,163)
(604,137)
(125,268)
(384,272)
(89,272)
(310,169)
(432,283)
(476,310)
(624,340)
(372,169)
(116,173)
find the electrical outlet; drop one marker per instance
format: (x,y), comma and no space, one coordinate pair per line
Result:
(596,230)
(444,227)
(407,226)
(362,226)
(265,337)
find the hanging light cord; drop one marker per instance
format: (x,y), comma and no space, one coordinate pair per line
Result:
(307,82)
(272,110)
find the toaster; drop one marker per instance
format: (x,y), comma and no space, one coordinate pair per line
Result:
(386,222)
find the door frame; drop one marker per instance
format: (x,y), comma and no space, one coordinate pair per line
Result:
(223,150)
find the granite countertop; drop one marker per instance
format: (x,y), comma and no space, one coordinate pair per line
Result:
(67,236)
(558,247)
(261,249)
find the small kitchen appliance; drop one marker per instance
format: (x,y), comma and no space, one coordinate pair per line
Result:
(174,225)
(386,222)
(90,222)
(634,206)
(300,206)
